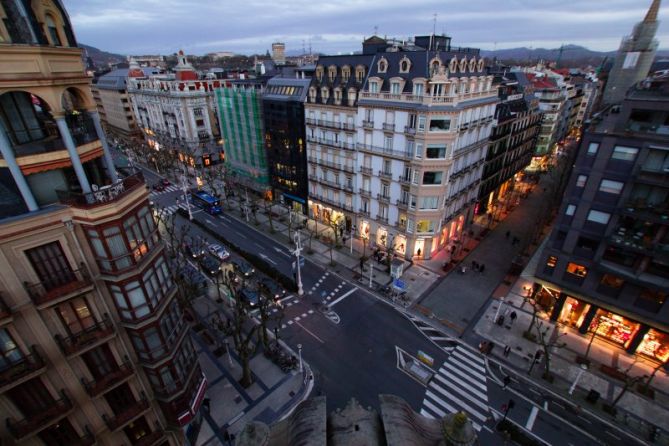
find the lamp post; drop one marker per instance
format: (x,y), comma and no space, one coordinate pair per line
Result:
(227,349)
(583,368)
(352,234)
(298,250)
(299,353)
(499,307)
(184,188)
(246,204)
(371,269)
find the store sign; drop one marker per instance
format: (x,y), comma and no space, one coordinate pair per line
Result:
(425,358)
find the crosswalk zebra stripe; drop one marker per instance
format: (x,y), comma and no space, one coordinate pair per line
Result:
(457,356)
(440,338)
(449,388)
(439,413)
(456,362)
(426,414)
(464,385)
(477,380)
(472,355)
(462,404)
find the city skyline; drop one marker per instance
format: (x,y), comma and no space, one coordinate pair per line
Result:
(143,26)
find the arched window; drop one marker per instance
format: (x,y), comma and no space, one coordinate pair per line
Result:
(383,65)
(345,73)
(435,65)
(332,72)
(453,66)
(359,74)
(53,31)
(405,65)
(319,73)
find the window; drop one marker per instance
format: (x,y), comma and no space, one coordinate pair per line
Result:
(419,150)
(429,202)
(345,73)
(388,142)
(421,123)
(383,65)
(424,226)
(624,153)
(418,89)
(599,217)
(373,87)
(53,31)
(650,300)
(9,351)
(76,315)
(359,74)
(405,65)
(593,148)
(577,270)
(611,281)
(51,265)
(551,262)
(611,187)
(395,88)
(433,151)
(570,210)
(332,73)
(581,180)
(440,125)
(432,177)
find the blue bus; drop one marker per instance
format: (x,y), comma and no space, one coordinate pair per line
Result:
(207,202)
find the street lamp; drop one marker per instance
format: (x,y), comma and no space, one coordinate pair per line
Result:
(352,234)
(227,349)
(297,252)
(184,188)
(299,353)
(371,269)
(584,367)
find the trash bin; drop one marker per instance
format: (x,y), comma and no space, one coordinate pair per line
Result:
(593,396)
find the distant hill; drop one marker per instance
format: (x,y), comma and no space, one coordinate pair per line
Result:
(102,59)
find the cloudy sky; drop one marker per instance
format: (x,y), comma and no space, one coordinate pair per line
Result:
(250,26)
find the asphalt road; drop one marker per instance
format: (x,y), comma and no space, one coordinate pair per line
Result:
(353,352)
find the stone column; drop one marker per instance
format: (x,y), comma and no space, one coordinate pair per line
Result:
(74,155)
(109,161)
(17,174)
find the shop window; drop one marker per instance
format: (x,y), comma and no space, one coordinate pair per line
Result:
(573,312)
(610,285)
(650,300)
(614,328)
(575,273)
(655,345)
(551,262)
(623,153)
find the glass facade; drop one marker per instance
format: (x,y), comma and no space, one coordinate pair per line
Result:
(614,328)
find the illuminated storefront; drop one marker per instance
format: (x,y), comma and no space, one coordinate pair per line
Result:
(655,345)
(614,328)
(573,312)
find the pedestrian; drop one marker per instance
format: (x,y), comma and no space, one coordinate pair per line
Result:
(507,351)
(507,381)
(507,235)
(481,268)
(475,266)
(513,317)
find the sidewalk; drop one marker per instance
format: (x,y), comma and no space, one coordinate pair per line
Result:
(272,395)
(638,412)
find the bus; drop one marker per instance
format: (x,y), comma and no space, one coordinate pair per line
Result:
(207,202)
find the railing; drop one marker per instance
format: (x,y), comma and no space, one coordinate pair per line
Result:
(99,386)
(402,204)
(331,124)
(365,192)
(129,413)
(17,368)
(409,130)
(56,410)
(85,338)
(383,198)
(383,220)
(88,439)
(105,195)
(389,127)
(58,286)
(426,99)
(149,439)
(384,174)
(383,151)
(81,127)
(43,139)
(366,170)
(362,211)
(328,182)
(331,201)
(404,180)
(368,124)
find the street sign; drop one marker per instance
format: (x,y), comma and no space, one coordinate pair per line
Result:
(396,268)
(399,284)
(424,357)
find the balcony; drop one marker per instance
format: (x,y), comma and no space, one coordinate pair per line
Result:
(21,369)
(363,212)
(127,415)
(366,170)
(81,127)
(402,204)
(333,165)
(86,339)
(367,124)
(639,209)
(387,175)
(331,201)
(105,195)
(329,183)
(97,387)
(365,192)
(411,131)
(383,220)
(36,422)
(150,439)
(56,289)
(404,180)
(383,198)
(388,127)
(383,151)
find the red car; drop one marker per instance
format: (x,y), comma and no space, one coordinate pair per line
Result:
(165,182)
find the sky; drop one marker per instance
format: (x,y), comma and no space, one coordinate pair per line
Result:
(142,27)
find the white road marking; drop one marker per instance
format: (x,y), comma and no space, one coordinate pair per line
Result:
(344,296)
(312,334)
(532,418)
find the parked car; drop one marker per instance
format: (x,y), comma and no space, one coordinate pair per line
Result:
(158,187)
(243,267)
(210,266)
(219,251)
(271,289)
(165,182)
(193,279)
(251,297)
(192,251)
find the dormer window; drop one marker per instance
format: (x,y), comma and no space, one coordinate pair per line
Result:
(382,65)
(345,73)
(351,96)
(312,94)
(463,65)
(395,88)
(373,87)
(337,96)
(359,74)
(53,31)
(435,66)
(332,73)
(481,64)
(325,94)
(418,89)
(405,65)
(453,65)
(472,65)
(319,73)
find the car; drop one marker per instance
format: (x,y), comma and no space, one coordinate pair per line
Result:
(250,297)
(165,182)
(191,251)
(243,267)
(193,279)
(271,289)
(219,251)
(210,266)
(158,187)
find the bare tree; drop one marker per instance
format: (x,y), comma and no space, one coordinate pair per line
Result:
(536,307)
(646,384)
(270,215)
(628,381)
(548,344)
(214,179)
(265,307)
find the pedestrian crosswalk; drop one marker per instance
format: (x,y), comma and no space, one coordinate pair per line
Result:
(169,210)
(170,188)
(459,385)
(440,339)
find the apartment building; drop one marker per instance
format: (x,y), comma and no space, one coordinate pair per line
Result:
(396,140)
(513,139)
(606,264)
(176,111)
(94,348)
